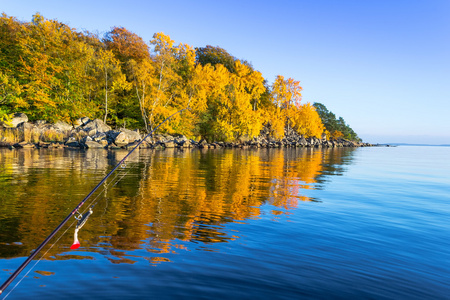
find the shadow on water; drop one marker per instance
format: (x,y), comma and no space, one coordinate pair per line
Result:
(161,201)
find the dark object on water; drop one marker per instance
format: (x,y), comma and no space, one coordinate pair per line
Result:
(42,245)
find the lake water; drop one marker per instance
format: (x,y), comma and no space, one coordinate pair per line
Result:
(365,223)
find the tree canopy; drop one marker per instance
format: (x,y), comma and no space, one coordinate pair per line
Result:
(51,71)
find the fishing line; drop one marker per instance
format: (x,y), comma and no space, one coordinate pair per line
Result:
(38,260)
(121,173)
(42,245)
(91,205)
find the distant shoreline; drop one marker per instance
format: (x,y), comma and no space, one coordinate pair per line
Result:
(407,144)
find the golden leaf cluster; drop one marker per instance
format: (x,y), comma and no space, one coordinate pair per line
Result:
(53,72)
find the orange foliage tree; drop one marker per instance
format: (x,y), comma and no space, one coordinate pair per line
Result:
(307,122)
(286,96)
(49,70)
(232,100)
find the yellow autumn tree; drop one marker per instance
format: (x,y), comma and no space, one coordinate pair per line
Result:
(219,125)
(38,68)
(134,56)
(306,121)
(54,70)
(176,83)
(286,96)
(188,91)
(143,80)
(50,71)
(9,96)
(232,102)
(107,67)
(163,89)
(248,85)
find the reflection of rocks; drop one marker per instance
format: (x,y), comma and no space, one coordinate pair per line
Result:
(73,144)
(25,145)
(115,157)
(86,133)
(95,160)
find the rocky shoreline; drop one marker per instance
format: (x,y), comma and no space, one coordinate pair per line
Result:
(86,133)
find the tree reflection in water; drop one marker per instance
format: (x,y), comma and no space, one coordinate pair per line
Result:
(166,200)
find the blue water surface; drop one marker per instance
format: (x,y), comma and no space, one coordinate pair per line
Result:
(377,228)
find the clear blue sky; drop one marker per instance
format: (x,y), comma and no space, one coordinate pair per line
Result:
(383,65)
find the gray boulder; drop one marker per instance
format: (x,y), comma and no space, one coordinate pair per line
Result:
(96,126)
(18,119)
(168,144)
(181,142)
(132,135)
(181,139)
(62,126)
(121,138)
(303,141)
(202,144)
(146,144)
(99,136)
(86,139)
(158,138)
(124,136)
(81,122)
(40,123)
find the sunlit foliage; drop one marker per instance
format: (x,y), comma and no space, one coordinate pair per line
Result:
(53,72)
(307,122)
(232,98)
(289,112)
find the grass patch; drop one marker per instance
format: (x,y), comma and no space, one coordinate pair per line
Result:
(9,136)
(51,135)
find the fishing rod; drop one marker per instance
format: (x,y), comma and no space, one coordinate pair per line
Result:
(45,242)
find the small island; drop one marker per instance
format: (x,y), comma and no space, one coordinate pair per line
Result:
(66,88)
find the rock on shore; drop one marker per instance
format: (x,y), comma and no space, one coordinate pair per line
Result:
(86,133)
